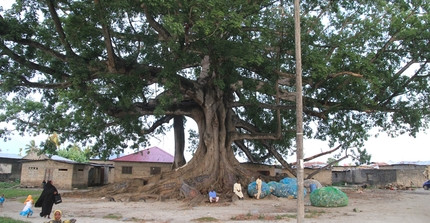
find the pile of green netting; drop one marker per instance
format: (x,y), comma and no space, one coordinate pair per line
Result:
(328,197)
(252,189)
(286,187)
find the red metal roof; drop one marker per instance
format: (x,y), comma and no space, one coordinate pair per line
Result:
(151,155)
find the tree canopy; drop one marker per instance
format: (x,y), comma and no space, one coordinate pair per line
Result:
(112,72)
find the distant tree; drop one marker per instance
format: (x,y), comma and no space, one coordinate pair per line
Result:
(75,153)
(51,144)
(31,147)
(362,157)
(332,161)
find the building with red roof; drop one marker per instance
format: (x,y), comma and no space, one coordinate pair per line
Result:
(152,155)
(142,164)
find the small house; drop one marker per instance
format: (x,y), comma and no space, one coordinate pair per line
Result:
(64,173)
(10,167)
(403,174)
(101,172)
(142,164)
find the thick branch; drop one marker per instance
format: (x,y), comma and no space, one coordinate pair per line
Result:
(261,85)
(182,108)
(253,132)
(162,32)
(255,136)
(241,145)
(326,166)
(279,158)
(317,85)
(271,150)
(59,27)
(321,154)
(262,105)
(31,65)
(107,39)
(159,122)
(41,47)
(403,87)
(26,83)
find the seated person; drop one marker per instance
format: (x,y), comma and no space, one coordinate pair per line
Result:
(237,189)
(57,218)
(212,196)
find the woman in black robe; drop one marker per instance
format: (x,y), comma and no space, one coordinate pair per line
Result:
(46,199)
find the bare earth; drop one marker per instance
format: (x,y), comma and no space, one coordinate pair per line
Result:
(370,206)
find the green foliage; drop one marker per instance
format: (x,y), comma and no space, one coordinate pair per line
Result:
(9,184)
(75,153)
(113,216)
(193,139)
(363,157)
(16,193)
(330,160)
(11,220)
(205,219)
(104,74)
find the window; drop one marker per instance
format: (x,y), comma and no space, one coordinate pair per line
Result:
(127,170)
(155,170)
(62,169)
(5,168)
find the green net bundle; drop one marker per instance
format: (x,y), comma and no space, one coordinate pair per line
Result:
(252,189)
(279,189)
(328,197)
(286,187)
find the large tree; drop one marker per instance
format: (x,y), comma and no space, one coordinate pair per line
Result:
(113,72)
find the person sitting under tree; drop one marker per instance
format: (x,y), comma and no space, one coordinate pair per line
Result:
(212,196)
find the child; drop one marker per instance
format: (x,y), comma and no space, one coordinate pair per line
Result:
(57,218)
(2,200)
(27,208)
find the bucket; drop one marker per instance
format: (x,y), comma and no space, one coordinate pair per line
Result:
(313,187)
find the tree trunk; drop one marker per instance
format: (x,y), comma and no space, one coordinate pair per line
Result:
(214,163)
(178,126)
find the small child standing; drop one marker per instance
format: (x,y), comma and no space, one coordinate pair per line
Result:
(27,208)
(2,200)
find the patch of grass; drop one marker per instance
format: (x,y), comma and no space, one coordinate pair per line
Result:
(279,217)
(16,192)
(12,190)
(261,217)
(249,216)
(10,220)
(314,213)
(133,219)
(9,184)
(113,216)
(206,219)
(308,214)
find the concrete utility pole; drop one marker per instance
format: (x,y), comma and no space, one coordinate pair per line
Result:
(299,115)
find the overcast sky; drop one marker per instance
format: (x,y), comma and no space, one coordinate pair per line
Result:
(382,149)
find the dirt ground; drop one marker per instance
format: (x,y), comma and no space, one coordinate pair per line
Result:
(368,205)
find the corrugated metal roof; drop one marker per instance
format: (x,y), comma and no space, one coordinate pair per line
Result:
(424,163)
(62,159)
(33,156)
(10,156)
(151,155)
